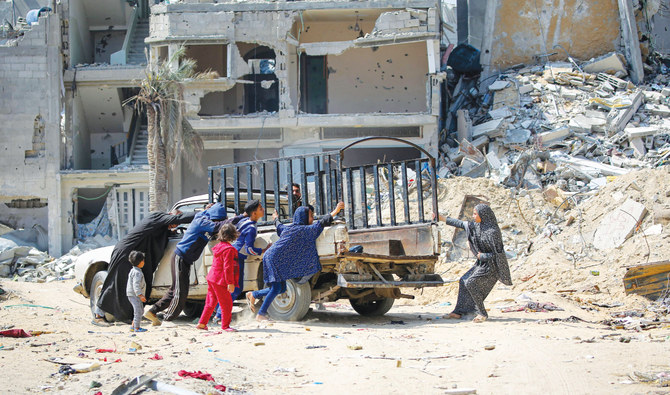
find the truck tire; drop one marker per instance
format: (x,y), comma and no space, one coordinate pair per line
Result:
(373,308)
(193,309)
(293,304)
(96,291)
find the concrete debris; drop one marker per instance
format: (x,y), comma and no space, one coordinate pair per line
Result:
(27,263)
(612,63)
(592,121)
(619,225)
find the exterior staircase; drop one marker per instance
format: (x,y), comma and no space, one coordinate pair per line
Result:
(136,52)
(138,156)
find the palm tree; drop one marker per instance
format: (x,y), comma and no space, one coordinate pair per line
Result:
(170,134)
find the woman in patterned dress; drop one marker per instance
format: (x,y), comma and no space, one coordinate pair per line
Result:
(294,255)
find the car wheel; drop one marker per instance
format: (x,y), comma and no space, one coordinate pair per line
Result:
(293,304)
(193,309)
(372,308)
(96,291)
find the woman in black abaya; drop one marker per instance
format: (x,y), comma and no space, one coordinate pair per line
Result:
(485,240)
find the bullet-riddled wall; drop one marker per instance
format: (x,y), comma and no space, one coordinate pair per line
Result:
(524,29)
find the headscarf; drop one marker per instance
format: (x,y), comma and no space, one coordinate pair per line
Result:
(294,255)
(485,236)
(301,216)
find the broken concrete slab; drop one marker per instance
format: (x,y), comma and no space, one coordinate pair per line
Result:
(631,40)
(498,85)
(589,168)
(552,137)
(611,63)
(658,109)
(525,89)
(585,124)
(620,119)
(502,112)
(639,150)
(642,131)
(517,136)
(493,128)
(618,225)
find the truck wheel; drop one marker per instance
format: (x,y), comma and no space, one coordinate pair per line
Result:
(193,309)
(293,304)
(372,308)
(96,291)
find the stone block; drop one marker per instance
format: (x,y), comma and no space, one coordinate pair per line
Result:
(612,63)
(553,137)
(642,131)
(492,128)
(584,124)
(658,109)
(525,89)
(639,150)
(618,225)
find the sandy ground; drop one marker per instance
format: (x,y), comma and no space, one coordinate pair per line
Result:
(410,350)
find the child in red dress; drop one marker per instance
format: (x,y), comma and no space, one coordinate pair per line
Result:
(221,279)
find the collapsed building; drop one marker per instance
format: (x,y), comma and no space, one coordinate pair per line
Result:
(291,77)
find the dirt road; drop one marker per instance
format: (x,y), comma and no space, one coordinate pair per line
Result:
(410,350)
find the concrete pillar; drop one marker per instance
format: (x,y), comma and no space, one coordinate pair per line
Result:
(631,41)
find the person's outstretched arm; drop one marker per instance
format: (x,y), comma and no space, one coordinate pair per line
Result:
(328,219)
(450,221)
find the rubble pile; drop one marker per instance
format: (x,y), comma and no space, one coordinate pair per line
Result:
(560,124)
(27,263)
(554,249)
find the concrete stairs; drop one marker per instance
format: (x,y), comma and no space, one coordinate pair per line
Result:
(137,45)
(138,157)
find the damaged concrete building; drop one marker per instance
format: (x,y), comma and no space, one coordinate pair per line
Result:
(293,77)
(299,77)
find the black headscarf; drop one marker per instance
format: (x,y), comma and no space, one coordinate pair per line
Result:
(485,237)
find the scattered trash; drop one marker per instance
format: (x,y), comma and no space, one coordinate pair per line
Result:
(197,375)
(533,307)
(29,305)
(355,347)
(156,357)
(314,347)
(104,350)
(17,333)
(95,384)
(137,383)
(489,347)
(259,344)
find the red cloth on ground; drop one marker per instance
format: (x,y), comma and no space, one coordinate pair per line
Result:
(217,294)
(14,333)
(220,387)
(197,375)
(225,267)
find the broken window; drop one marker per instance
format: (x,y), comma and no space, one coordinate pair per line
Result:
(209,58)
(262,91)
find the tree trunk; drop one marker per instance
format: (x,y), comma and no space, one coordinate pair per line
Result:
(161,190)
(152,124)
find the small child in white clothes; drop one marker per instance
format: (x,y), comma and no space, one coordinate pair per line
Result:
(136,288)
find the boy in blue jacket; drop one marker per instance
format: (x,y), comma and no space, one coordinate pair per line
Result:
(205,225)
